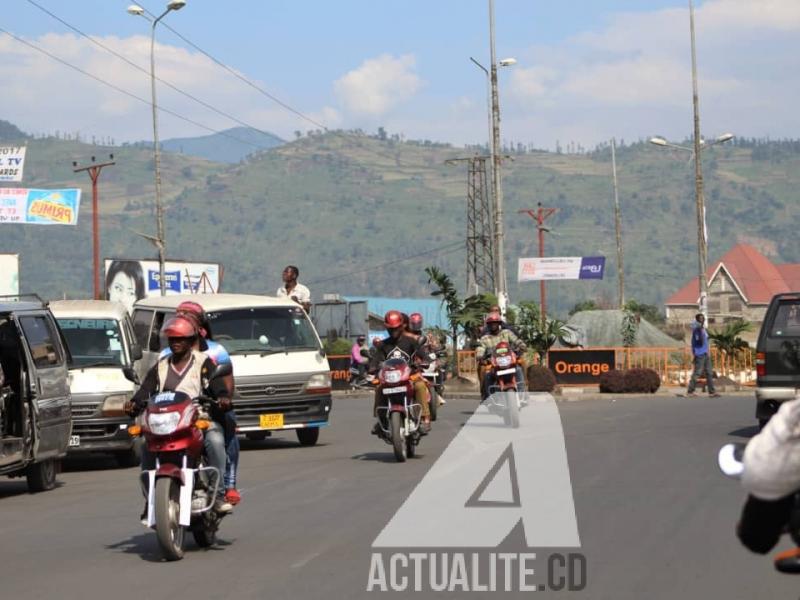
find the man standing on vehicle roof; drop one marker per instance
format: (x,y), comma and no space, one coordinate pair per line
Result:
(401,344)
(294,290)
(186,370)
(702,357)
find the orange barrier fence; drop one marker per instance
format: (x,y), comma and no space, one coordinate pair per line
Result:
(674,365)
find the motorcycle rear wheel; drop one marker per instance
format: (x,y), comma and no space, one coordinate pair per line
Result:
(398,443)
(204,536)
(168,530)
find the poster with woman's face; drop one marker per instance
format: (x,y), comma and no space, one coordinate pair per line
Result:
(125,282)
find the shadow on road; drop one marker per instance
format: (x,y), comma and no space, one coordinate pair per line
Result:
(273,444)
(385,457)
(145,546)
(13,488)
(745,432)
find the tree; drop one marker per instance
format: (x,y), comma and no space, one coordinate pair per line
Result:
(584,305)
(648,312)
(466,314)
(727,339)
(537,336)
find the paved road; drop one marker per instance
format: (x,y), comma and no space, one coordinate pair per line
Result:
(655,517)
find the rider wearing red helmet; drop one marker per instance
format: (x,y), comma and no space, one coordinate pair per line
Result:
(402,344)
(187,370)
(488,342)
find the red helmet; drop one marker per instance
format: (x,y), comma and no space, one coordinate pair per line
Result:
(494,317)
(415,322)
(180,327)
(194,312)
(393,319)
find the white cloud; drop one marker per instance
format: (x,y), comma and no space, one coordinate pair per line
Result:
(42,96)
(378,85)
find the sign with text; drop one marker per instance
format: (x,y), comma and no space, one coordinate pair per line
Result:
(9,274)
(43,207)
(340,371)
(561,267)
(12,161)
(580,366)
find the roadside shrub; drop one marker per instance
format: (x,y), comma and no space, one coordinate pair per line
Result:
(612,382)
(540,379)
(642,381)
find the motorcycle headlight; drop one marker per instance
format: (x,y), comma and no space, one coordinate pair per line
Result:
(503,361)
(163,423)
(392,376)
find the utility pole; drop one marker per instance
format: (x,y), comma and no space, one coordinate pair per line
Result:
(501,290)
(702,243)
(94,173)
(480,255)
(540,215)
(618,221)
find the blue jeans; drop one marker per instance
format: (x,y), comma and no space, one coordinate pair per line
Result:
(231,450)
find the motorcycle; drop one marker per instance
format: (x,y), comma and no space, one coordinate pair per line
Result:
(399,415)
(730,461)
(511,397)
(434,375)
(182,487)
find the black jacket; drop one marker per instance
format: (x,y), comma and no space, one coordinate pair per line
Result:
(406,346)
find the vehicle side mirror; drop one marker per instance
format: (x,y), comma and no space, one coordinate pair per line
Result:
(222,370)
(130,375)
(322,352)
(136,353)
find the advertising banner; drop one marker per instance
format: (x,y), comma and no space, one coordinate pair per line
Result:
(561,267)
(130,280)
(340,371)
(9,274)
(580,366)
(12,161)
(43,207)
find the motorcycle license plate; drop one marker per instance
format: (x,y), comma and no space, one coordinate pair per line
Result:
(506,371)
(74,441)
(394,390)
(274,421)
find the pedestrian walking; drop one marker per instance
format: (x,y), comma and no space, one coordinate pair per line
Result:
(702,357)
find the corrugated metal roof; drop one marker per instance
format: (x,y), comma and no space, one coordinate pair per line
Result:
(431,309)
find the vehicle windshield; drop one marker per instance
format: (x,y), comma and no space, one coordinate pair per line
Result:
(95,342)
(787,319)
(263,330)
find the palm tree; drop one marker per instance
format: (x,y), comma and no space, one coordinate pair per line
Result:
(727,339)
(540,338)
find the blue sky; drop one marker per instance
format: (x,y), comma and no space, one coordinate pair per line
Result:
(587,69)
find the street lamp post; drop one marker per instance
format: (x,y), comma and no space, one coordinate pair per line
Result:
(159,240)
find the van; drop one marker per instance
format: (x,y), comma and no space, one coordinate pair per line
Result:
(100,339)
(280,370)
(35,418)
(778,355)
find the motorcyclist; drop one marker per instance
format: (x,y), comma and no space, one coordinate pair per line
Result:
(496,334)
(216,352)
(415,323)
(186,370)
(359,356)
(400,344)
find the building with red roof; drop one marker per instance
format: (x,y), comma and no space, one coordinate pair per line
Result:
(740,286)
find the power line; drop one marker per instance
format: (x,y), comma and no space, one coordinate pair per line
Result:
(143,70)
(120,90)
(453,247)
(240,76)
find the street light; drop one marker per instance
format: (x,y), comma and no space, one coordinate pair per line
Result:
(158,241)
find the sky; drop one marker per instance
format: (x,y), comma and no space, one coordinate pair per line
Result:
(586,71)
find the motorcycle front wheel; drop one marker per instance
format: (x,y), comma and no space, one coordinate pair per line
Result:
(434,403)
(168,530)
(398,442)
(512,407)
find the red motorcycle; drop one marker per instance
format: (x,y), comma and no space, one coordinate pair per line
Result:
(181,489)
(399,414)
(511,396)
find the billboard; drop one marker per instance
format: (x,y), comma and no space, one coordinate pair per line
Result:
(9,274)
(43,207)
(12,161)
(561,267)
(130,280)
(580,366)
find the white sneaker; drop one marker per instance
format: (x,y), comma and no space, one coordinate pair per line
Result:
(222,506)
(442,401)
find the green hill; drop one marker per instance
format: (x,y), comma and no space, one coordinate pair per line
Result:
(341,205)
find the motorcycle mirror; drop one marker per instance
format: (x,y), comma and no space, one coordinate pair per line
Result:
(730,460)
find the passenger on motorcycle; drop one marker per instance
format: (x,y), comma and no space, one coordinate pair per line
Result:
(216,352)
(402,344)
(359,355)
(495,334)
(186,370)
